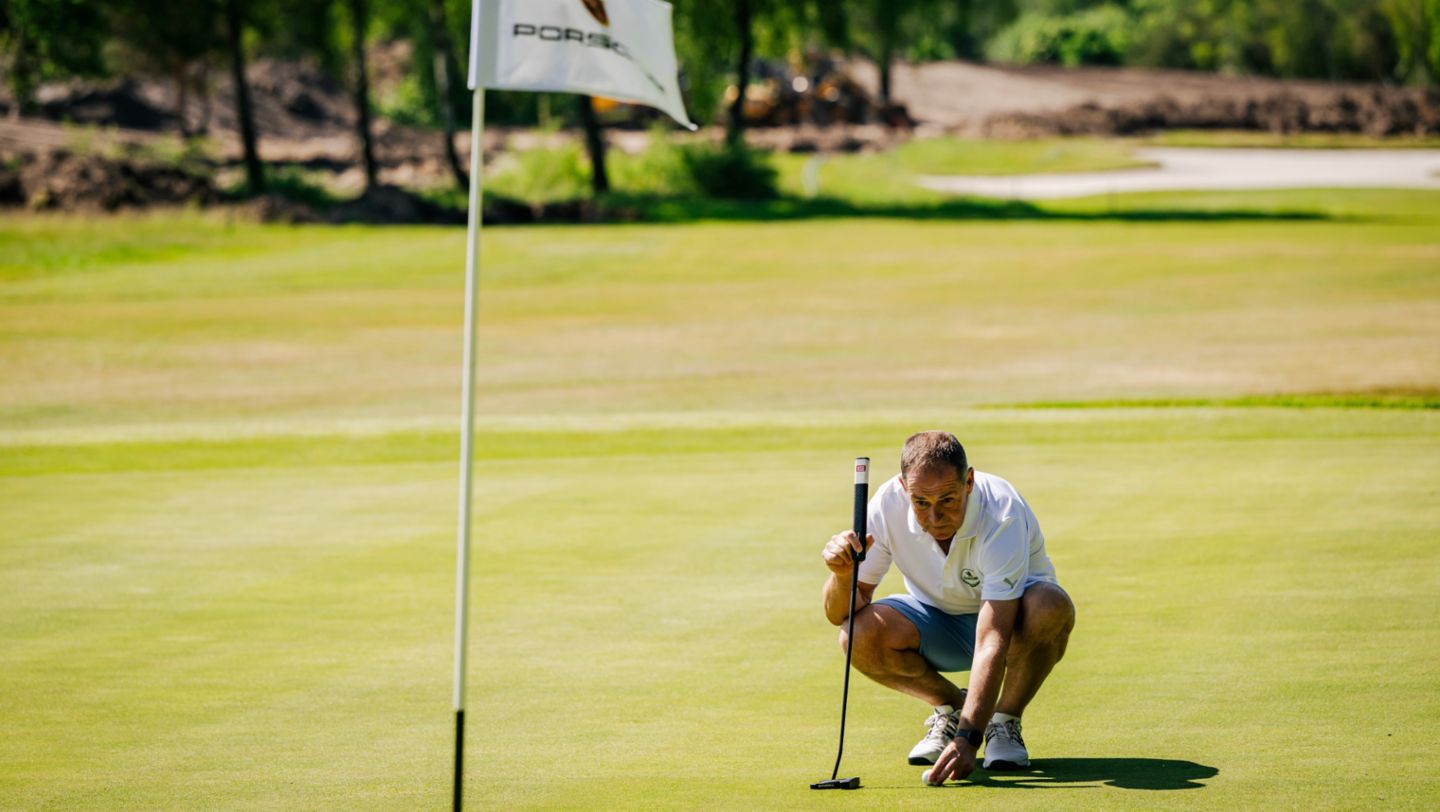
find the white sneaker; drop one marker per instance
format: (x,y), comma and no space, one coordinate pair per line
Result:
(944,724)
(1004,747)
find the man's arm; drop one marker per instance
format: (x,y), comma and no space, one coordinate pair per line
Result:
(837,598)
(839,557)
(994,630)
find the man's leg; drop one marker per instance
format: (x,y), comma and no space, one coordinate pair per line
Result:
(1043,628)
(887,650)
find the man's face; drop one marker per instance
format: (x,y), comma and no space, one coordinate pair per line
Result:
(937,495)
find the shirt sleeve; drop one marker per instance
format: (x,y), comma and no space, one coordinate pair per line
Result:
(877,558)
(1005,561)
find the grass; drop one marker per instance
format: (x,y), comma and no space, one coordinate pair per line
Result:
(563,173)
(960,156)
(654,187)
(227,471)
(1267,140)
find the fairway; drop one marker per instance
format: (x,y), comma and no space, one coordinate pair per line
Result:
(227,477)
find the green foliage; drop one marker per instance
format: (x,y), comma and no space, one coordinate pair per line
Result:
(48,39)
(730,172)
(1096,36)
(1416,25)
(663,170)
(658,171)
(411,101)
(291,183)
(160,40)
(1326,39)
(543,175)
(193,155)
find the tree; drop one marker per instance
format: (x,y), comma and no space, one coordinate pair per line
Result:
(47,39)
(594,145)
(745,40)
(155,37)
(443,65)
(712,34)
(1416,26)
(359,21)
(883,21)
(234,36)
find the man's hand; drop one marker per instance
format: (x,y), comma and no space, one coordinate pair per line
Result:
(839,551)
(957,760)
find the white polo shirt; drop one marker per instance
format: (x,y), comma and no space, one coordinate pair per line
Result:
(997,552)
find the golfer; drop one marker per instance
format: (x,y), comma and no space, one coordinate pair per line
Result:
(982,598)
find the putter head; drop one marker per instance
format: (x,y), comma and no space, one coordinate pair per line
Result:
(838,783)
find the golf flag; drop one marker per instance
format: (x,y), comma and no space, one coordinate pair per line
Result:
(621,49)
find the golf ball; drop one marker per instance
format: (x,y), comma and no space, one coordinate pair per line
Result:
(925,778)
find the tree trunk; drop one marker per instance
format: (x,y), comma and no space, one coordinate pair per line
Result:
(735,129)
(443,65)
(202,89)
(181,100)
(22,76)
(595,146)
(359,17)
(234,30)
(887,59)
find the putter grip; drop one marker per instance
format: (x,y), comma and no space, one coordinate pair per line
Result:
(862,496)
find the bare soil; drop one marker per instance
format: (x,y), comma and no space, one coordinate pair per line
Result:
(1016,102)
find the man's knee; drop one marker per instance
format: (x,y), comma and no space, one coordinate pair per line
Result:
(880,632)
(1047,615)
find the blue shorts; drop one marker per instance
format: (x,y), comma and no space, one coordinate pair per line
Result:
(947,641)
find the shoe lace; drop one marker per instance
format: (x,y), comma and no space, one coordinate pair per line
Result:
(1009,730)
(943,725)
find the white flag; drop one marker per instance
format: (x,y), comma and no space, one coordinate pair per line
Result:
(620,49)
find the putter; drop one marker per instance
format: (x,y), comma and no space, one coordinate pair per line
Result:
(862,495)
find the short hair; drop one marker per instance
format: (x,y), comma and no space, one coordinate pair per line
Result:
(927,450)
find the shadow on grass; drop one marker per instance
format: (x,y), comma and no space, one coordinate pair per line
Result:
(1124,773)
(679,210)
(1087,773)
(389,205)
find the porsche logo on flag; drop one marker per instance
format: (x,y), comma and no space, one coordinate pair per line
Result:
(597,10)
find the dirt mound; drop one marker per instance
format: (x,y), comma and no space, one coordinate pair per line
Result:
(127,104)
(290,100)
(1006,101)
(1379,112)
(62,180)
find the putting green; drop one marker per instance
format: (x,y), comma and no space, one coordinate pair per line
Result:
(227,480)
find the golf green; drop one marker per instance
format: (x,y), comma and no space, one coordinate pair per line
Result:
(227,482)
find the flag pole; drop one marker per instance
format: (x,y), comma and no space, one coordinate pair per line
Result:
(467,429)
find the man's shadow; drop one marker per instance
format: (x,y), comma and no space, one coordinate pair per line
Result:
(1125,773)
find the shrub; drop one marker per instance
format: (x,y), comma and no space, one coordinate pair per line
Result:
(659,171)
(291,183)
(1097,36)
(731,172)
(544,175)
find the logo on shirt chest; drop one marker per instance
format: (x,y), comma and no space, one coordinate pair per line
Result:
(970,577)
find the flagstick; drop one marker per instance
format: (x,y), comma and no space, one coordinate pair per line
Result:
(467,426)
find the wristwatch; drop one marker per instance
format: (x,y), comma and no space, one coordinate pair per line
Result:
(971,737)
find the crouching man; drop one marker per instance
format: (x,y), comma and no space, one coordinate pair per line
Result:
(982,598)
